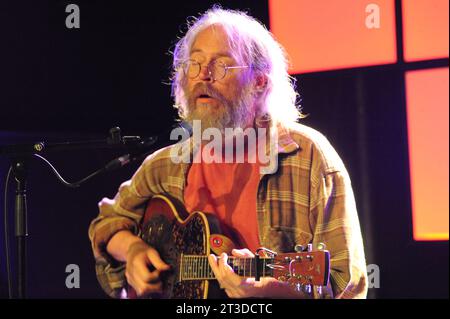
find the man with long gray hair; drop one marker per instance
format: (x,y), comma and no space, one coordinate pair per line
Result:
(230,75)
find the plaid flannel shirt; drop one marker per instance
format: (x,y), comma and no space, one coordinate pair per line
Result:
(308,198)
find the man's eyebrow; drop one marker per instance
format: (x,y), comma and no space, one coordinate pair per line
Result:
(218,54)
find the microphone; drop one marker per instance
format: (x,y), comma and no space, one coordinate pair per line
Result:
(182,129)
(140,148)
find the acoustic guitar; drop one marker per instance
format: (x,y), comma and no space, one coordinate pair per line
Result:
(184,241)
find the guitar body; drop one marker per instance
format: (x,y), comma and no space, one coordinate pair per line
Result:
(173,232)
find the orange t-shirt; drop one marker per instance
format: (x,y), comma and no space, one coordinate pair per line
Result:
(228,190)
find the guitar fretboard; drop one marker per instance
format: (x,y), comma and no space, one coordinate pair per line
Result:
(196,267)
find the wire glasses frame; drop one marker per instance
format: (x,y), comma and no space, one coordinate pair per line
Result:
(217,70)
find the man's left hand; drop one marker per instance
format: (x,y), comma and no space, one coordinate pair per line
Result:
(234,285)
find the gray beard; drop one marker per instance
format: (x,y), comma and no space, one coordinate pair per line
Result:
(230,114)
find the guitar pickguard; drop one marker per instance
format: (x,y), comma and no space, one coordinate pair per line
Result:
(171,239)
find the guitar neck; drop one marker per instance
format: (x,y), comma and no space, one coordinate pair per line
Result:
(196,267)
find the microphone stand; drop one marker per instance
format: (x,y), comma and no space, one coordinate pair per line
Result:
(21,229)
(20,155)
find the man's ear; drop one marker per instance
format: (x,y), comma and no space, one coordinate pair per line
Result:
(260,82)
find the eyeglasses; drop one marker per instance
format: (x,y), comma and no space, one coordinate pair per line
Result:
(217,70)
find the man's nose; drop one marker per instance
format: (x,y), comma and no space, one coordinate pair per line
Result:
(205,73)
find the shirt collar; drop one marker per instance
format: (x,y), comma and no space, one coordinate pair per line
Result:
(286,144)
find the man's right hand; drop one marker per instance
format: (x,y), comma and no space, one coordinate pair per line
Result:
(143,263)
(143,269)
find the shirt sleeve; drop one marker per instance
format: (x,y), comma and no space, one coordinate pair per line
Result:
(124,212)
(337,225)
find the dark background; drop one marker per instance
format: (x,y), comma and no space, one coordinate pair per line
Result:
(61,84)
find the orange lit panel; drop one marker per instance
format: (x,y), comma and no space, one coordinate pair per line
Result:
(428,133)
(334,34)
(425,29)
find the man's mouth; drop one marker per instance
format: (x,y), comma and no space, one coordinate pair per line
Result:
(204,97)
